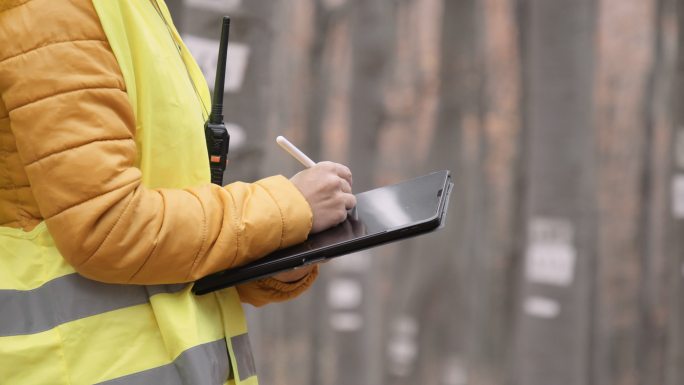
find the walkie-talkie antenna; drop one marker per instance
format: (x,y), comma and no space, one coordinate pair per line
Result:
(217,101)
(214,129)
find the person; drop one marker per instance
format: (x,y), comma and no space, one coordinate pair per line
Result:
(106,210)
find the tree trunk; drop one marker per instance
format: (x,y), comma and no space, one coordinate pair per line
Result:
(553,326)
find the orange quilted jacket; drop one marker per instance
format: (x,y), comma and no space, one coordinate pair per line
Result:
(67,157)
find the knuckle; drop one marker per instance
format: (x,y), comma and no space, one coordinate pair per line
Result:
(332,180)
(341,197)
(341,215)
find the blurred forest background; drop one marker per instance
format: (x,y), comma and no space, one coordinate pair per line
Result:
(561,121)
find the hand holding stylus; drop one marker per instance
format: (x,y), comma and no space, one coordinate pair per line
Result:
(325,185)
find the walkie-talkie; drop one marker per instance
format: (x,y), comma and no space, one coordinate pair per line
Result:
(214,129)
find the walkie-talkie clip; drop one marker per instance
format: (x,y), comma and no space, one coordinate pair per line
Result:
(215,130)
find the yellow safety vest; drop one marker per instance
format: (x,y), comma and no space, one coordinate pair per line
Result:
(57,327)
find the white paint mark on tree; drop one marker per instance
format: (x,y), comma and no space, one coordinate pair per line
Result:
(551,254)
(346,322)
(402,348)
(344,293)
(542,307)
(215,5)
(205,52)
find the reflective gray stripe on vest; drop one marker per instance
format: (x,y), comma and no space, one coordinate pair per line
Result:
(67,299)
(206,364)
(243,355)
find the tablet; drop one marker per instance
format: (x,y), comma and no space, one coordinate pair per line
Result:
(382,215)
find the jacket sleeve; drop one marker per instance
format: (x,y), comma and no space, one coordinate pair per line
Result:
(74,130)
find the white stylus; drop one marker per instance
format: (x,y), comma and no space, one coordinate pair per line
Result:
(295,152)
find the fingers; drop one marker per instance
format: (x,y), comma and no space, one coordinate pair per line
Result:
(347,197)
(349,201)
(344,172)
(345,186)
(339,169)
(341,216)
